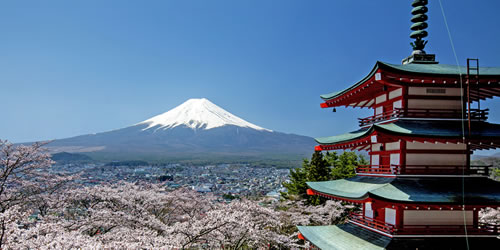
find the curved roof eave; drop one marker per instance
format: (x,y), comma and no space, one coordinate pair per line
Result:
(436,69)
(416,128)
(338,93)
(344,236)
(355,188)
(415,68)
(481,191)
(344,137)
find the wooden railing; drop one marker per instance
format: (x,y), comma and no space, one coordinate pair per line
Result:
(372,223)
(476,114)
(378,169)
(480,229)
(380,117)
(423,170)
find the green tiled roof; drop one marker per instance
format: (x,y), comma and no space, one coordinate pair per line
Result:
(346,236)
(478,190)
(422,128)
(344,137)
(352,188)
(349,236)
(438,69)
(423,69)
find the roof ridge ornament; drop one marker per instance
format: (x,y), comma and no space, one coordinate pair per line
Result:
(419,25)
(419,19)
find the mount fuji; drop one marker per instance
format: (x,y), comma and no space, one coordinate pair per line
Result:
(198,114)
(196,129)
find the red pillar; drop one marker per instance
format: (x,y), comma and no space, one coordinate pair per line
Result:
(402,156)
(399,216)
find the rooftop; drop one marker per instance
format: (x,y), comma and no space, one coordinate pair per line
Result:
(346,236)
(434,129)
(479,190)
(423,71)
(349,236)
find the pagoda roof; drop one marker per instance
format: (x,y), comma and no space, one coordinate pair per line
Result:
(438,130)
(355,188)
(398,74)
(437,69)
(345,236)
(350,236)
(437,190)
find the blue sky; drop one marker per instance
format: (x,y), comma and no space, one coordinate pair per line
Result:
(76,67)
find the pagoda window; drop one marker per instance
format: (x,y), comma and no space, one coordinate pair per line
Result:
(379,110)
(441,217)
(375,160)
(377,147)
(395,160)
(395,93)
(390,216)
(392,146)
(397,104)
(368,210)
(381,98)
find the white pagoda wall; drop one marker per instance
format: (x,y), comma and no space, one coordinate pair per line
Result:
(434,103)
(434,91)
(438,158)
(434,146)
(432,217)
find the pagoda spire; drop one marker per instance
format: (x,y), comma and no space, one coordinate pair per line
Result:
(419,25)
(418,33)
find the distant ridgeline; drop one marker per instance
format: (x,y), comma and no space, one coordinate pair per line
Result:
(127,163)
(65,157)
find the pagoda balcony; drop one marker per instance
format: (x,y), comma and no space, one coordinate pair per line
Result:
(423,170)
(479,229)
(475,114)
(379,169)
(392,230)
(359,218)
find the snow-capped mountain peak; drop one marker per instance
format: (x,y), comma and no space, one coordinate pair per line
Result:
(197,114)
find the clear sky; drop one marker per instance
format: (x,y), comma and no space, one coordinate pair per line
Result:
(76,67)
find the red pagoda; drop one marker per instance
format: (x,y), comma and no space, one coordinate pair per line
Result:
(420,190)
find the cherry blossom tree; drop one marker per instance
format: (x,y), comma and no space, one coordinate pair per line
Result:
(490,215)
(24,179)
(36,213)
(22,172)
(127,215)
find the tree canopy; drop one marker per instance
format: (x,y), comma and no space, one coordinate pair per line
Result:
(321,167)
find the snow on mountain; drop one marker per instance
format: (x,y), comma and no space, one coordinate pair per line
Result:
(197,114)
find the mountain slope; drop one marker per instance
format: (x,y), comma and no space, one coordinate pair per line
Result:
(195,129)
